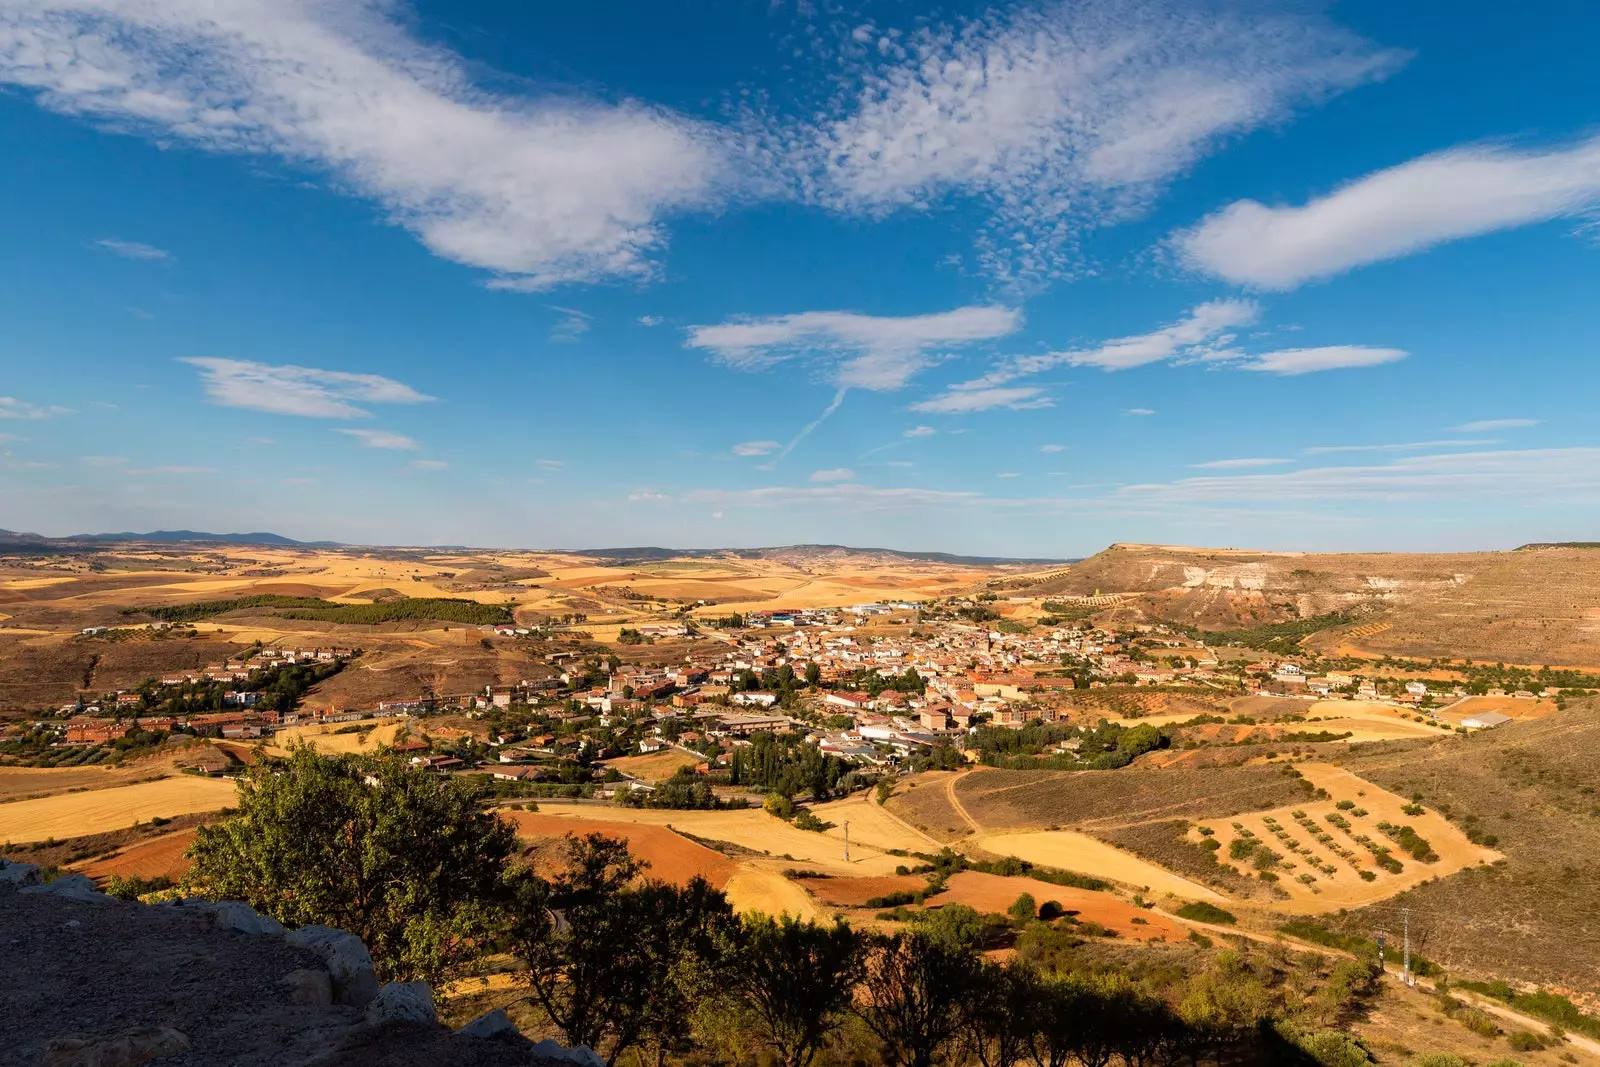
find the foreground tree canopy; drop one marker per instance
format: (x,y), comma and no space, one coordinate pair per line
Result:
(406,860)
(624,963)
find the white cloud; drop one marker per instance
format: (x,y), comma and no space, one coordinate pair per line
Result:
(849,495)
(429,464)
(1059,116)
(538,190)
(859,351)
(12,408)
(647,495)
(1534,474)
(1207,323)
(837,474)
(572,325)
(1392,213)
(960,401)
(1139,411)
(383,439)
(1490,425)
(649,320)
(899,463)
(125,249)
(756,448)
(1008,474)
(1407,446)
(1291,361)
(1236,464)
(920,431)
(550,464)
(1052,448)
(292,390)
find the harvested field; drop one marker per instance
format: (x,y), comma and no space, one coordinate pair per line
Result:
(995,893)
(41,781)
(1520,708)
(158,857)
(874,826)
(671,858)
(855,892)
(327,740)
(1080,852)
(1170,845)
(1000,800)
(756,887)
(752,828)
(655,767)
(1531,785)
(78,814)
(1324,875)
(926,803)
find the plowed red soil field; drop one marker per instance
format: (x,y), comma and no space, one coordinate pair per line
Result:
(671,858)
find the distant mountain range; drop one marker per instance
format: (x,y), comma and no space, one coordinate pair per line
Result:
(15,541)
(11,537)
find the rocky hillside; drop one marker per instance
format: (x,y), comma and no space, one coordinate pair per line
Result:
(90,981)
(1531,606)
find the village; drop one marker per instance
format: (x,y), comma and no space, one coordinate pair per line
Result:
(887,685)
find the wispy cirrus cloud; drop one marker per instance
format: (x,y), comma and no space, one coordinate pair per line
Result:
(286,389)
(1392,213)
(855,351)
(836,474)
(964,400)
(842,495)
(429,465)
(130,249)
(1204,335)
(1058,116)
(535,189)
(1491,425)
(1404,446)
(1239,464)
(1529,475)
(12,408)
(383,439)
(755,448)
(1293,361)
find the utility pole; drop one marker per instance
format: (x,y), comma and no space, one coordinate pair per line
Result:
(847,841)
(1405,973)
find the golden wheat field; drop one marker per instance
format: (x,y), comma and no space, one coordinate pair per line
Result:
(99,810)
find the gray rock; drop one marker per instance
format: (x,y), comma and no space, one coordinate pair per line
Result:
(403,1004)
(17,875)
(127,1049)
(237,915)
(347,959)
(72,887)
(491,1024)
(550,1053)
(308,986)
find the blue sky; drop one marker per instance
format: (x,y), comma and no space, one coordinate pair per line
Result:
(1023,279)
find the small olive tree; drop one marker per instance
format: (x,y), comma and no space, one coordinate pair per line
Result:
(404,859)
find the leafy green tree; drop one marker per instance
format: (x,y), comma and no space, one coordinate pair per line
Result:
(404,859)
(813,675)
(796,980)
(618,961)
(1024,908)
(912,995)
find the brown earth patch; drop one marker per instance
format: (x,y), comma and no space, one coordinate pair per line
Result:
(671,858)
(995,893)
(855,892)
(158,857)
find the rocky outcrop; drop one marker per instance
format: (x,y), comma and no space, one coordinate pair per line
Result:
(91,981)
(129,1049)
